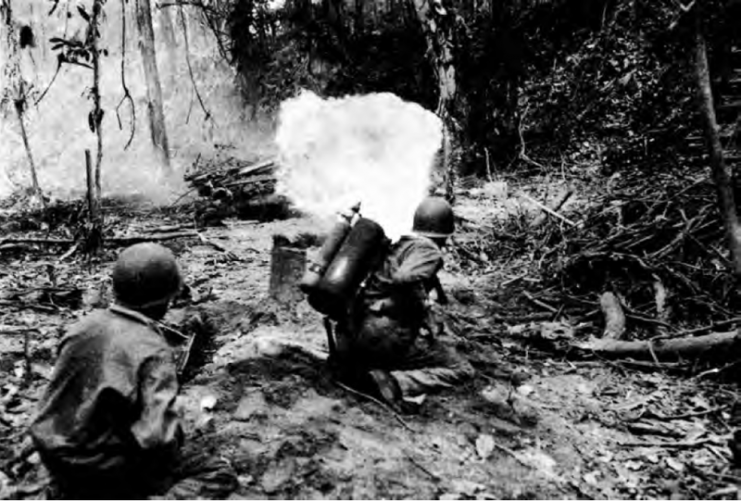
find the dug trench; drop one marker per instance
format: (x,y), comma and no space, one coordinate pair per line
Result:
(530,425)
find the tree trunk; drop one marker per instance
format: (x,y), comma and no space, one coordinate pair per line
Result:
(97,110)
(168,35)
(94,231)
(287,267)
(614,316)
(359,22)
(154,88)
(17,89)
(717,164)
(438,21)
(19,107)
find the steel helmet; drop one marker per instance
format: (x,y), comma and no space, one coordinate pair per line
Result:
(434,218)
(146,275)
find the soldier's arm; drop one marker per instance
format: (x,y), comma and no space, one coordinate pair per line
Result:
(158,430)
(421,266)
(415,274)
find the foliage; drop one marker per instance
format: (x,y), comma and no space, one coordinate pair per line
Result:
(80,53)
(601,82)
(281,52)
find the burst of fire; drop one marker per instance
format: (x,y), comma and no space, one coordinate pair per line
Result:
(375,149)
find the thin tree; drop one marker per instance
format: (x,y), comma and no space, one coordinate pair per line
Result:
(95,233)
(18,92)
(86,53)
(154,87)
(167,28)
(438,22)
(720,174)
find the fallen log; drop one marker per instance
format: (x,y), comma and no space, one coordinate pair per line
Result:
(251,180)
(721,344)
(22,305)
(135,239)
(49,241)
(130,240)
(265,164)
(15,247)
(614,316)
(15,329)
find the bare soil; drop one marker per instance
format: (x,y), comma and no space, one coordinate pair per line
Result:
(531,425)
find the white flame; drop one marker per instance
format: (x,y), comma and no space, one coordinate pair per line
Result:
(375,149)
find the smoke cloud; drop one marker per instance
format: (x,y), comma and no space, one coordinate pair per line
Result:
(58,128)
(375,149)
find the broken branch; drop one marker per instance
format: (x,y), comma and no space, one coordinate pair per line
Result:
(557,204)
(377,402)
(50,241)
(691,414)
(672,445)
(540,303)
(614,316)
(229,254)
(549,210)
(135,239)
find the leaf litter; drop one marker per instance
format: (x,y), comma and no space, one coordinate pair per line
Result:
(532,425)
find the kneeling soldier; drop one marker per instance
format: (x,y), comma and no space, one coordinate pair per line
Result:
(381,348)
(107,425)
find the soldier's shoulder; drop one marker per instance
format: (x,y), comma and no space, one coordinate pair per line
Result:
(105,326)
(424,244)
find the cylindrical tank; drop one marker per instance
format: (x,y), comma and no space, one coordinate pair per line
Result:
(318,263)
(348,268)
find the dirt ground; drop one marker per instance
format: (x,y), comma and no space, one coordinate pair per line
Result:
(531,425)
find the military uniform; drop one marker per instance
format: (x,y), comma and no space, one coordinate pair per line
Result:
(384,332)
(107,425)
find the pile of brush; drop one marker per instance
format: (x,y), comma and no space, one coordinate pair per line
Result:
(234,188)
(658,244)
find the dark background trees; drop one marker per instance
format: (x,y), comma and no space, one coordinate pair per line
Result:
(571,79)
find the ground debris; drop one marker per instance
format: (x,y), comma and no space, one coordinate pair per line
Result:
(533,425)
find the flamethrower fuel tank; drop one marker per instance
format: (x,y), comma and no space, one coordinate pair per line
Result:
(318,264)
(351,264)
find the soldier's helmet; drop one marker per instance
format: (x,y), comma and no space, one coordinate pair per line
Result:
(434,218)
(146,275)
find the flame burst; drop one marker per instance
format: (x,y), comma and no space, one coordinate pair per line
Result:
(375,149)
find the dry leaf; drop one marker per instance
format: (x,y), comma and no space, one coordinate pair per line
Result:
(591,478)
(525,390)
(484,446)
(208,403)
(467,487)
(634,465)
(675,465)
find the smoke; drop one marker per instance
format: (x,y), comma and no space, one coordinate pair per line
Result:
(58,130)
(375,149)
